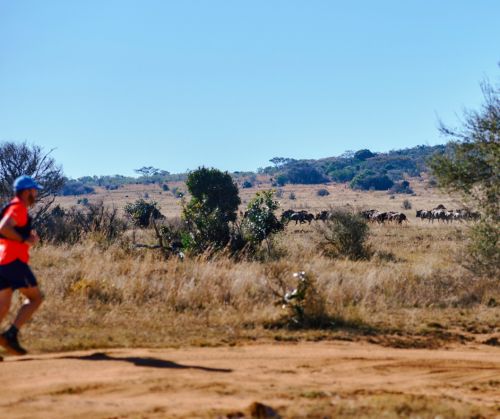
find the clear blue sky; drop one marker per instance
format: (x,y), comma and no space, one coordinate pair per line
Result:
(114,85)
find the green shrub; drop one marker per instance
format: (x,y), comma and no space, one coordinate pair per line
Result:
(303,173)
(369,180)
(483,249)
(470,166)
(344,235)
(260,222)
(322,192)
(141,212)
(406,204)
(213,205)
(402,187)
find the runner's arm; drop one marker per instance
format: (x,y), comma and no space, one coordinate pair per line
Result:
(7,230)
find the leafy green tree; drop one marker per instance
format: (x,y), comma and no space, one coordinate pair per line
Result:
(369,180)
(363,154)
(304,173)
(260,222)
(215,190)
(213,205)
(141,212)
(471,167)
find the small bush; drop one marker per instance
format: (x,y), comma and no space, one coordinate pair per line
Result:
(344,235)
(281,180)
(247,184)
(71,226)
(483,249)
(305,304)
(140,212)
(292,196)
(165,187)
(406,204)
(402,187)
(260,222)
(369,180)
(279,193)
(322,192)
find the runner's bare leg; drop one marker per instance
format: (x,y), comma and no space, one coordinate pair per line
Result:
(34,300)
(5,300)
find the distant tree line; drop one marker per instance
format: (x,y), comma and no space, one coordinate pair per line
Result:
(362,169)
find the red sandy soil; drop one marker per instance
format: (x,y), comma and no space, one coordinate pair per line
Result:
(206,382)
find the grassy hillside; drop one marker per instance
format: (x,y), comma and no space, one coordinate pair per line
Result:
(351,167)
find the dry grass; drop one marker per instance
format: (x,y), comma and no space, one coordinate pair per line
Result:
(306,197)
(412,291)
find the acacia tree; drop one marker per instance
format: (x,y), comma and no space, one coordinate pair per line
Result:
(18,159)
(471,167)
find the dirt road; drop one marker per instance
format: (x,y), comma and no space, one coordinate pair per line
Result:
(303,379)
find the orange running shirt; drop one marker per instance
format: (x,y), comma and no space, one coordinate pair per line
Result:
(11,250)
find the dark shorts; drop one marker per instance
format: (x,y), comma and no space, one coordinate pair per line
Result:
(16,275)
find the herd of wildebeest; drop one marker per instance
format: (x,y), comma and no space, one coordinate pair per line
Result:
(440,213)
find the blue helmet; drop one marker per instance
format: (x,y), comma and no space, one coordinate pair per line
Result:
(25,182)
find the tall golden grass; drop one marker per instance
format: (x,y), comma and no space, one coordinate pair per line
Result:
(413,286)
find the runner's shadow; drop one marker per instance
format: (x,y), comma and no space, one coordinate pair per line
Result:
(142,362)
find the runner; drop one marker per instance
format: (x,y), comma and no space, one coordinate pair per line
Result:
(16,237)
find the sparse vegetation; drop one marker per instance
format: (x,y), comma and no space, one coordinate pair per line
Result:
(141,212)
(471,167)
(345,235)
(406,204)
(96,221)
(322,192)
(260,221)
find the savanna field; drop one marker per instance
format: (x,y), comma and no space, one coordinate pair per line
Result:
(412,293)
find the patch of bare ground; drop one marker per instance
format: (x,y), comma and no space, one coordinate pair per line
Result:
(322,379)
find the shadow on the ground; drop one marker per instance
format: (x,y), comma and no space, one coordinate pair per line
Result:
(135,360)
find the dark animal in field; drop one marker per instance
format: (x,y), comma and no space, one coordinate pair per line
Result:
(286,216)
(368,214)
(322,216)
(424,215)
(380,217)
(397,217)
(439,214)
(302,217)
